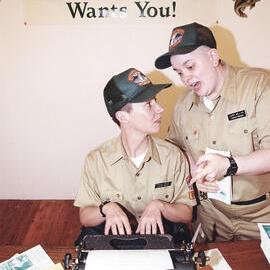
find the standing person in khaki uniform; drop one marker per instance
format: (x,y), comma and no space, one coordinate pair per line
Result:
(227,109)
(134,175)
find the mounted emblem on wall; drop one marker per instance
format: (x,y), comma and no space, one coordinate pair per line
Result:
(240,6)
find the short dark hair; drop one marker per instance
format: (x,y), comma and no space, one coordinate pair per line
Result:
(127,108)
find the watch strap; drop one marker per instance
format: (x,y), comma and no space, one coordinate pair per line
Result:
(232,169)
(101,207)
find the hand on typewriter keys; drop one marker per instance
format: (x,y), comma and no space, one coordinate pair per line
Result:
(151,219)
(116,220)
(120,221)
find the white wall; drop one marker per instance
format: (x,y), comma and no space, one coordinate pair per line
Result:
(52,78)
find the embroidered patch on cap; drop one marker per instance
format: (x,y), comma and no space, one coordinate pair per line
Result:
(176,37)
(138,78)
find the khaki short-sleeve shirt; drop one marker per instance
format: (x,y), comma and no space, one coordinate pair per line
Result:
(110,175)
(239,123)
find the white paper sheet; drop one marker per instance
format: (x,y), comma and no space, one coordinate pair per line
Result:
(128,260)
(265,239)
(225,184)
(217,261)
(32,259)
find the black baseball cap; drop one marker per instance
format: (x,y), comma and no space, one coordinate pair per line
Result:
(184,39)
(129,86)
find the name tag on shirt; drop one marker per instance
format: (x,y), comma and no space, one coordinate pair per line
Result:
(236,115)
(163,184)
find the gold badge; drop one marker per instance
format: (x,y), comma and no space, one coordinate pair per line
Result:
(176,37)
(138,78)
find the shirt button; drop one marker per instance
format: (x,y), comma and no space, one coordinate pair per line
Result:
(117,195)
(245,131)
(214,142)
(212,117)
(139,197)
(186,137)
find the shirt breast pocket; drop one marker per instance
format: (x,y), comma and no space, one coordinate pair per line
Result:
(243,136)
(191,137)
(164,193)
(112,195)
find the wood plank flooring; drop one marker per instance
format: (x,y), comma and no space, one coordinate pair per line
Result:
(45,222)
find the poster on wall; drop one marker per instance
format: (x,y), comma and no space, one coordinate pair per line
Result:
(46,12)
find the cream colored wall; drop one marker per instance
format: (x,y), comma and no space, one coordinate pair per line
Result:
(52,77)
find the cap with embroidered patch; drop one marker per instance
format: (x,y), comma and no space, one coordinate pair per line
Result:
(129,86)
(184,39)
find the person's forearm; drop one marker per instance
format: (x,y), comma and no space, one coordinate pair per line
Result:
(90,216)
(176,212)
(255,163)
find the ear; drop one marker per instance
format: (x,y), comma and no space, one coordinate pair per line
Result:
(214,57)
(122,116)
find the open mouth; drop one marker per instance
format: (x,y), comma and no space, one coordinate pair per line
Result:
(157,121)
(195,86)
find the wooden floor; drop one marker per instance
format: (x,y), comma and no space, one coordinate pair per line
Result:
(46,222)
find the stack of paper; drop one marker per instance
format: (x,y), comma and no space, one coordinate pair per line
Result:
(33,259)
(265,239)
(225,184)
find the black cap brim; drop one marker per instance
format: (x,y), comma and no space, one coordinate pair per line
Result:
(164,61)
(150,92)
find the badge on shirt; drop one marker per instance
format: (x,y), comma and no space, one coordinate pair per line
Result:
(163,184)
(236,115)
(191,192)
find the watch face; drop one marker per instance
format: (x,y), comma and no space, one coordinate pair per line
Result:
(232,168)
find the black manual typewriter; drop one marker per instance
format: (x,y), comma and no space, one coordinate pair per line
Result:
(182,255)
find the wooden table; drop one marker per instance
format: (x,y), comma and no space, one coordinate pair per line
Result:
(241,255)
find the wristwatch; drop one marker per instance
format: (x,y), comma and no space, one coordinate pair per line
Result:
(101,206)
(232,170)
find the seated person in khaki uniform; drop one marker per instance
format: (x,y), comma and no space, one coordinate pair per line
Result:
(226,109)
(134,175)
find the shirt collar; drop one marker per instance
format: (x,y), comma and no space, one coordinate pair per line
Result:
(152,151)
(228,90)
(120,152)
